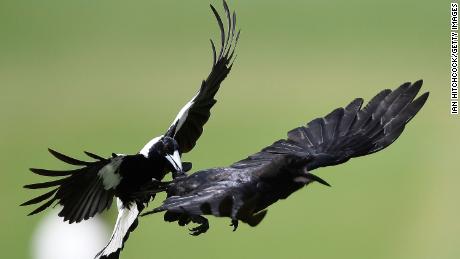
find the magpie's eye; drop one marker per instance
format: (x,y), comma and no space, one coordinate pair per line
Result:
(160,147)
(169,148)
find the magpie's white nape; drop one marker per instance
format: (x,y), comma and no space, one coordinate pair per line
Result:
(90,188)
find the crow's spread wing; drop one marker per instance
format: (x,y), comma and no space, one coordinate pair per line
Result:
(82,192)
(244,189)
(348,132)
(187,127)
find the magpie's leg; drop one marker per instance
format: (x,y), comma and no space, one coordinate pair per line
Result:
(234,224)
(201,228)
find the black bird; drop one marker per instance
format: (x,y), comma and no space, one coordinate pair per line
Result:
(245,189)
(90,189)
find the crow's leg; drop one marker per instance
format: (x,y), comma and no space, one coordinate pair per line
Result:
(184,219)
(234,224)
(201,228)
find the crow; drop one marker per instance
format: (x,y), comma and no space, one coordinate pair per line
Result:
(244,190)
(90,189)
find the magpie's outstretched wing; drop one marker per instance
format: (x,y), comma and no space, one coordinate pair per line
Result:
(187,127)
(243,190)
(82,192)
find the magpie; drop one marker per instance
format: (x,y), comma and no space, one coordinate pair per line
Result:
(244,190)
(90,189)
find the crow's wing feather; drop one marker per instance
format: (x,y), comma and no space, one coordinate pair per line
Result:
(348,132)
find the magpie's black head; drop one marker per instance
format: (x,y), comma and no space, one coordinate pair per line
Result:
(166,145)
(168,148)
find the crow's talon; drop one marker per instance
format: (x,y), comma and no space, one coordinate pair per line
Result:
(234,224)
(184,220)
(198,230)
(201,228)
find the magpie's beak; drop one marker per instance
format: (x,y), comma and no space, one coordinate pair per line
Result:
(175,161)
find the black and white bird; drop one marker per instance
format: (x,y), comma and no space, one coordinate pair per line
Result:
(90,189)
(245,189)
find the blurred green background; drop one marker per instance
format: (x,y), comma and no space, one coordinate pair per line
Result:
(108,75)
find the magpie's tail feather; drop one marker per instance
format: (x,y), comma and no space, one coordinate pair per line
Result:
(127,222)
(80,191)
(352,132)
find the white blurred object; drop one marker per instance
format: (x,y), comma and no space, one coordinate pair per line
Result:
(56,239)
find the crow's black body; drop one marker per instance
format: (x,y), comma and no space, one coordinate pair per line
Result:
(245,189)
(90,189)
